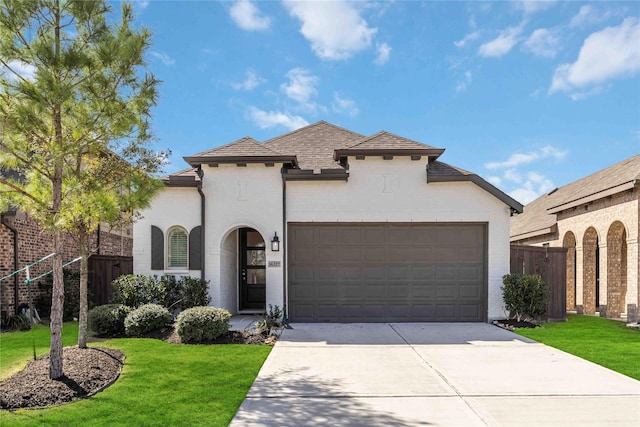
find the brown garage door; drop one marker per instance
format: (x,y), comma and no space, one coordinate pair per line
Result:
(405,272)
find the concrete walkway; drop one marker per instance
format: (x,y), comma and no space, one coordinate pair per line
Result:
(431,375)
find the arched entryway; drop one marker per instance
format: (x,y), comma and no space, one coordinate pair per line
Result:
(616,269)
(569,242)
(590,271)
(243,270)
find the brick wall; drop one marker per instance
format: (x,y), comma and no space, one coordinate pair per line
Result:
(33,244)
(615,221)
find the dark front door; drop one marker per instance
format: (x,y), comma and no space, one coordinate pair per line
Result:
(253,278)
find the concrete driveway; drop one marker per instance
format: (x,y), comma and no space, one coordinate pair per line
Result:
(431,375)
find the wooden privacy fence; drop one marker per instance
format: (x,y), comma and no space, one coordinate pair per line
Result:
(103,269)
(551,265)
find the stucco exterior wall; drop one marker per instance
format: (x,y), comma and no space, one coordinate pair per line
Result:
(171,207)
(377,191)
(397,191)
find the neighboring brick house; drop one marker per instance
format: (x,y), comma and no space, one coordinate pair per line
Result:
(335,226)
(34,244)
(597,218)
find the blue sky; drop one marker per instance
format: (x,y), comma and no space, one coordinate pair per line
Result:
(529,95)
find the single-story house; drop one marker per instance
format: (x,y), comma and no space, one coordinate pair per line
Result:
(333,226)
(597,218)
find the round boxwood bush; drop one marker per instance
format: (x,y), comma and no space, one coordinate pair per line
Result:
(146,318)
(134,290)
(108,320)
(202,324)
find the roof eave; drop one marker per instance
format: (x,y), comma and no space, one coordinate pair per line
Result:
(536,233)
(215,160)
(432,153)
(630,185)
(510,201)
(308,175)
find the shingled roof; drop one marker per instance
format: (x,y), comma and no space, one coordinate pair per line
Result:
(443,172)
(386,143)
(318,152)
(244,150)
(314,145)
(539,216)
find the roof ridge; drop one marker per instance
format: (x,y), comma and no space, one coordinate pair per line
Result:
(312,125)
(391,134)
(248,138)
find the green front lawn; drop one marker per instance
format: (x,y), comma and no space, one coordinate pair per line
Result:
(160,384)
(606,342)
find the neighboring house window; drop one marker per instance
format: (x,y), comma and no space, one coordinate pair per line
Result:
(177,248)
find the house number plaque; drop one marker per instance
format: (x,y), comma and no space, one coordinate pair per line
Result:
(274,264)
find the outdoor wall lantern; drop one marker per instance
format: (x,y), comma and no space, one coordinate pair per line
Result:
(275,243)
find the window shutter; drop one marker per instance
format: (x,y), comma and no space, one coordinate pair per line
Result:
(177,248)
(195,255)
(157,248)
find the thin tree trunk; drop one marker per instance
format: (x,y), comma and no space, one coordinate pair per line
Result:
(84,306)
(57,305)
(57,300)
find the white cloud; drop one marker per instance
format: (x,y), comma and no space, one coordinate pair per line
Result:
(335,28)
(533,6)
(24,70)
(143,3)
(495,180)
(512,175)
(607,54)
(536,93)
(519,159)
(268,119)
(502,44)
(543,42)
(251,81)
(584,16)
(344,105)
(469,37)
(384,51)
(535,186)
(463,84)
(301,87)
(166,59)
(247,16)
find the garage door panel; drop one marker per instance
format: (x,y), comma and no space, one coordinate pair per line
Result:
(466,292)
(373,254)
(374,272)
(387,272)
(373,291)
(327,273)
(348,254)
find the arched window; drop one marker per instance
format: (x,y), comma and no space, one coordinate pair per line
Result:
(177,249)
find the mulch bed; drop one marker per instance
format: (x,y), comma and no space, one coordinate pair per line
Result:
(512,324)
(89,371)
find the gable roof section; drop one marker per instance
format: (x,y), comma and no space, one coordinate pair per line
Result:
(386,143)
(184,178)
(244,150)
(539,216)
(614,179)
(314,145)
(442,172)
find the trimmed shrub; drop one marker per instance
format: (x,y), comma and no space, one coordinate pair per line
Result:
(185,292)
(108,320)
(202,324)
(195,293)
(146,318)
(134,290)
(525,297)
